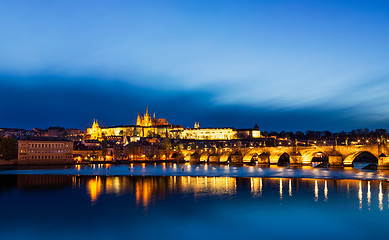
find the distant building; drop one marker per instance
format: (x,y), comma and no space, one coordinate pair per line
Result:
(87,150)
(144,150)
(95,131)
(73,132)
(91,143)
(249,133)
(146,126)
(44,150)
(208,133)
(146,120)
(55,132)
(226,133)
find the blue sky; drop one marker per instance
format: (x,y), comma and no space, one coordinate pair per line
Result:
(286,65)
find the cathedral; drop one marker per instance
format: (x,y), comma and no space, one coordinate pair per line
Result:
(146,126)
(95,131)
(146,120)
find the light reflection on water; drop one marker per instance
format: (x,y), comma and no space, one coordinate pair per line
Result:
(147,190)
(134,202)
(174,169)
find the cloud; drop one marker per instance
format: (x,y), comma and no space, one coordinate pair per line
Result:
(51,101)
(275,60)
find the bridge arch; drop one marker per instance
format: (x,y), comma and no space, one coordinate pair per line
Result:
(263,158)
(177,155)
(280,158)
(284,159)
(225,157)
(308,157)
(251,157)
(349,160)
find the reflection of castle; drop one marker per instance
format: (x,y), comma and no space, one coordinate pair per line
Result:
(146,126)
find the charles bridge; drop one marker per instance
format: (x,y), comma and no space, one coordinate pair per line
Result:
(337,155)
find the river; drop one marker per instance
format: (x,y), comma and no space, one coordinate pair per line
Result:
(167,201)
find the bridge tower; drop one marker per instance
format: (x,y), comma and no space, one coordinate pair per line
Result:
(383,155)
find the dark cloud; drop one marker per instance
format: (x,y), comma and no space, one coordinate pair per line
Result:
(52,101)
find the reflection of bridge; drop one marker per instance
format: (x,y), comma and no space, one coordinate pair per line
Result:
(295,155)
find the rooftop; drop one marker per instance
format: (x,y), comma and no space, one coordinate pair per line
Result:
(46,139)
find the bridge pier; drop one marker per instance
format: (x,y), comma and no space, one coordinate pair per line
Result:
(213,159)
(335,160)
(383,162)
(236,158)
(273,159)
(263,159)
(295,159)
(195,158)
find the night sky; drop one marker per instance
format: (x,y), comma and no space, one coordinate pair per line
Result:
(286,65)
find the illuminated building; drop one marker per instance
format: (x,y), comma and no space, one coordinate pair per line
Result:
(149,126)
(227,133)
(95,131)
(44,150)
(146,126)
(87,150)
(249,133)
(146,120)
(208,133)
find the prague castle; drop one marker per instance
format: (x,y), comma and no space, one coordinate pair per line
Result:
(147,126)
(147,121)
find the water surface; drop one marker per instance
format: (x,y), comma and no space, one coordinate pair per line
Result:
(187,207)
(217,170)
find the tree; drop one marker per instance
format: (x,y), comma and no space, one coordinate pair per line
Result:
(104,148)
(166,146)
(8,148)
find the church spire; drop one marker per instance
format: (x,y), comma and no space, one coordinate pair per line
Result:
(147,110)
(138,120)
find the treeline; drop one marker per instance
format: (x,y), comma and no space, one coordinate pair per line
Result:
(8,148)
(327,135)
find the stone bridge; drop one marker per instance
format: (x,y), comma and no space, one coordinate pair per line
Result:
(341,155)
